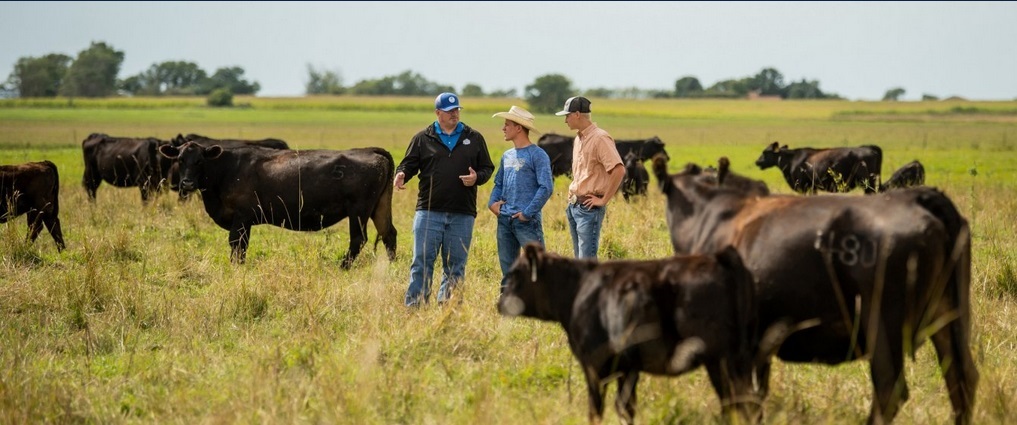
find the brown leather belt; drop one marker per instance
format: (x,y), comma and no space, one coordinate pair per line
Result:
(581,199)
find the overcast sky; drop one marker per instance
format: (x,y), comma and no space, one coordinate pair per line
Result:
(858,50)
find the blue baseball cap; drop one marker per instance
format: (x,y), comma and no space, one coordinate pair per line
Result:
(446,102)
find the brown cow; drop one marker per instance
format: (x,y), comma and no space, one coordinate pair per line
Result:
(122,162)
(663,317)
(880,273)
(32,189)
(809,170)
(298,190)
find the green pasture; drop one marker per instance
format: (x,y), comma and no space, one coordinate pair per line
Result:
(143,319)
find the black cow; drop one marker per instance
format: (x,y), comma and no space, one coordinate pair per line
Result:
(297,190)
(122,162)
(559,150)
(876,274)
(643,148)
(809,170)
(911,174)
(172,173)
(636,179)
(33,189)
(663,317)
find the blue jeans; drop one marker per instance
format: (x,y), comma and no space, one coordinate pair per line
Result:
(584,225)
(512,235)
(435,231)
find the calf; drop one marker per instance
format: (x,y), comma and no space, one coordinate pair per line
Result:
(636,179)
(663,317)
(32,189)
(911,174)
(122,162)
(809,170)
(297,190)
(877,274)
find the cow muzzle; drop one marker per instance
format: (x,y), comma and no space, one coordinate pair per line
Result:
(187,185)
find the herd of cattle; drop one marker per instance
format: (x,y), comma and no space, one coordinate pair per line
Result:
(820,279)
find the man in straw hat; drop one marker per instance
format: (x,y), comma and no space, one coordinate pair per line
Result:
(452,160)
(522,186)
(597,172)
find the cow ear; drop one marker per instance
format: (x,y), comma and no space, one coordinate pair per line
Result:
(774,146)
(783,148)
(660,170)
(723,165)
(213,152)
(532,252)
(169,151)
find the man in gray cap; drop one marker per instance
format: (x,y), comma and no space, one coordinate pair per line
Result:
(597,172)
(452,160)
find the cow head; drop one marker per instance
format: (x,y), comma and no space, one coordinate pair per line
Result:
(653,147)
(542,285)
(190,159)
(770,156)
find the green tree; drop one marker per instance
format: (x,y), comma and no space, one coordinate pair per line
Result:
(803,90)
(688,86)
(231,78)
(220,97)
(167,78)
(407,83)
(502,93)
(768,81)
(472,90)
(927,97)
(39,77)
(323,82)
(602,92)
(548,93)
(893,94)
(728,88)
(94,72)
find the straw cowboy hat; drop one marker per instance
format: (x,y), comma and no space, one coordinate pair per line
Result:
(519,116)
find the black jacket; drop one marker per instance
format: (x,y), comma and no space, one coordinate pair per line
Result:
(440,187)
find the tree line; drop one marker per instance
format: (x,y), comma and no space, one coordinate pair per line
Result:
(93,73)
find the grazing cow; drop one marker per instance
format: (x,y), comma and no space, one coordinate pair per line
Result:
(172,173)
(636,177)
(559,150)
(809,170)
(122,162)
(911,174)
(880,273)
(663,317)
(32,189)
(643,148)
(297,190)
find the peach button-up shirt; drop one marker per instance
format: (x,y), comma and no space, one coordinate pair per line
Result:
(594,155)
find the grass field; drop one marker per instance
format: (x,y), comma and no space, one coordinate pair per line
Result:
(143,319)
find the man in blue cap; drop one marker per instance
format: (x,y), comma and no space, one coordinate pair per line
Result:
(451,159)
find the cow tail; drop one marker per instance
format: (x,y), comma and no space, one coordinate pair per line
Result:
(54,192)
(382,214)
(741,294)
(958,288)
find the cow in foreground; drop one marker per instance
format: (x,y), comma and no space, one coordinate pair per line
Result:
(877,275)
(809,170)
(32,189)
(663,317)
(910,174)
(298,190)
(122,162)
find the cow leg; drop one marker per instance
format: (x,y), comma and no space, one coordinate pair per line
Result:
(741,397)
(52,223)
(595,390)
(91,181)
(34,223)
(887,371)
(144,192)
(358,238)
(625,403)
(240,235)
(958,370)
